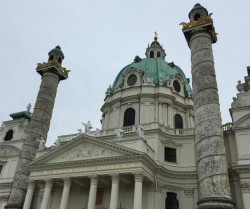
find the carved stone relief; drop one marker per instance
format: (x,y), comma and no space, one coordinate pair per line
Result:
(189,192)
(215,186)
(200,43)
(204,82)
(203,68)
(8,151)
(85,150)
(210,146)
(210,111)
(245,187)
(207,96)
(212,165)
(203,55)
(207,129)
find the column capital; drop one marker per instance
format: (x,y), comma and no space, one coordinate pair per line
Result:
(138,176)
(31,184)
(48,183)
(67,181)
(115,177)
(93,179)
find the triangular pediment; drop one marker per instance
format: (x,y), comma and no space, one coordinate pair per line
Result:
(243,122)
(84,148)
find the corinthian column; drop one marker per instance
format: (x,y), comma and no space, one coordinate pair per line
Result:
(65,194)
(29,195)
(211,157)
(138,191)
(47,194)
(92,191)
(114,191)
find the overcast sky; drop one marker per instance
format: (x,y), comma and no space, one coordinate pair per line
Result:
(99,38)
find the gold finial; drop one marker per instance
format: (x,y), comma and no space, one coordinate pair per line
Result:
(156,37)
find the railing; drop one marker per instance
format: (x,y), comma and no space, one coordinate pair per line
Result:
(150,126)
(227,126)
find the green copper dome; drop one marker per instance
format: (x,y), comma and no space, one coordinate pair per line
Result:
(58,50)
(153,67)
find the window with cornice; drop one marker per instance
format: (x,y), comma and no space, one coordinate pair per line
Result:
(171,201)
(129,117)
(170,154)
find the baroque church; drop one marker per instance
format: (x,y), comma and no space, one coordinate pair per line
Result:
(161,145)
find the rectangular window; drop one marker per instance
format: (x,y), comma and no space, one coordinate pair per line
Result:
(170,154)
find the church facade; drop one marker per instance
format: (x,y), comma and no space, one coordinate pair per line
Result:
(161,145)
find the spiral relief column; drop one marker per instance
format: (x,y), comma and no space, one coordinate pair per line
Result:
(51,73)
(211,157)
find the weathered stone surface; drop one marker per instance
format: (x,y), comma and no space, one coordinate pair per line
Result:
(206,112)
(212,165)
(207,96)
(210,149)
(210,146)
(215,186)
(39,127)
(208,128)
(204,82)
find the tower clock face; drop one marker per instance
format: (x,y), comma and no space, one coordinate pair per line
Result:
(177,86)
(132,80)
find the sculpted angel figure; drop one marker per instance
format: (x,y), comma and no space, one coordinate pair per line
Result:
(57,142)
(119,134)
(140,131)
(87,126)
(160,80)
(41,144)
(168,80)
(28,108)
(2,127)
(148,80)
(108,90)
(240,87)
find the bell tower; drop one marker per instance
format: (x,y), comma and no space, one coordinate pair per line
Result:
(212,168)
(52,73)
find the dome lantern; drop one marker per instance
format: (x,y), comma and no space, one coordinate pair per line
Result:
(197,11)
(155,50)
(56,54)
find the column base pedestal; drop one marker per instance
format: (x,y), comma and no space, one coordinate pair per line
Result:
(215,203)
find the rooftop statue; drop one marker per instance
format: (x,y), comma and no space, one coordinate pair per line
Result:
(240,87)
(41,144)
(87,126)
(28,108)
(119,134)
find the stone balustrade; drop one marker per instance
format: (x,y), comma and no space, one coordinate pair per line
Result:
(227,126)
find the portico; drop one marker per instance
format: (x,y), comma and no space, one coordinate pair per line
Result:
(109,183)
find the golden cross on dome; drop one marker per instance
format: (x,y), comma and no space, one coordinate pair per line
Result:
(156,37)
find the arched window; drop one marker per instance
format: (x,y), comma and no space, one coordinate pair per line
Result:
(9,135)
(196,16)
(51,57)
(158,54)
(178,121)
(129,117)
(152,55)
(171,201)
(60,60)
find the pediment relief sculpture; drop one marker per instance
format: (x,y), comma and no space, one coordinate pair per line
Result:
(85,150)
(9,150)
